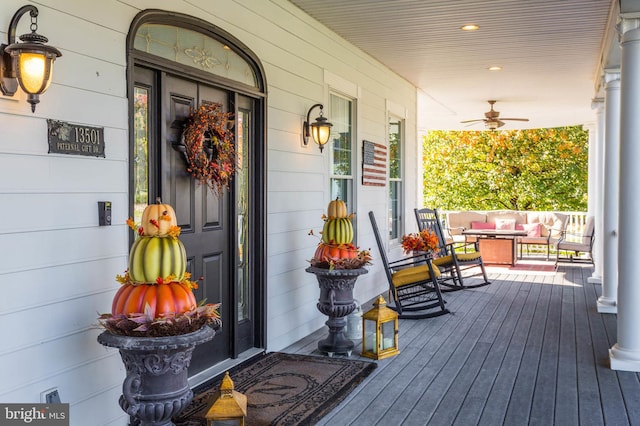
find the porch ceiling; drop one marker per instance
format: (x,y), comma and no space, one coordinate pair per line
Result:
(552,54)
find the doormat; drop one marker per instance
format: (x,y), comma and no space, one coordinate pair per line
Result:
(284,389)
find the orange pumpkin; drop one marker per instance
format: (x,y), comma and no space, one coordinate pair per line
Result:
(332,252)
(158,219)
(163,299)
(337,208)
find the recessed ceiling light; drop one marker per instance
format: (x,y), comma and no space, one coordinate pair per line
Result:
(469,27)
(495,68)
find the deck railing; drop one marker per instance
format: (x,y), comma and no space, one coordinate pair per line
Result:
(577,221)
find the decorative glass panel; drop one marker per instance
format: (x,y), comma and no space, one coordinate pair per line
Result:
(243,136)
(194,49)
(388,334)
(140,151)
(370,328)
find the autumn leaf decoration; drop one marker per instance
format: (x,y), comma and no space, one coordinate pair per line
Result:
(174,231)
(209,146)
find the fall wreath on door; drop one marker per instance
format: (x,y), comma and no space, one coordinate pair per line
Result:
(208,146)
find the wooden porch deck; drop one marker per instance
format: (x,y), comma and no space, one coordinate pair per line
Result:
(527,349)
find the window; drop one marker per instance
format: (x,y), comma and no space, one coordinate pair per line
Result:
(342,168)
(395,178)
(194,49)
(141,137)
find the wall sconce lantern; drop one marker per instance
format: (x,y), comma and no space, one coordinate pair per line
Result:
(380,331)
(28,64)
(320,130)
(229,406)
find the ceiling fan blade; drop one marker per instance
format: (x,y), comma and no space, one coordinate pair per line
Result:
(492,118)
(471,124)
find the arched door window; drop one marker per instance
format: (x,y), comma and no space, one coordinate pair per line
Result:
(194,49)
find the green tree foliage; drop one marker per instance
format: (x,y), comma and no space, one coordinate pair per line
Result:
(537,169)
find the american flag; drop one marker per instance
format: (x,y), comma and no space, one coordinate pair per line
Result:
(374,164)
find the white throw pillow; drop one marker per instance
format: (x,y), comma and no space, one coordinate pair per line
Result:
(505,224)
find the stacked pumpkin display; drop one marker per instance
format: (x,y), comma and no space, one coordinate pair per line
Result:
(336,250)
(156,297)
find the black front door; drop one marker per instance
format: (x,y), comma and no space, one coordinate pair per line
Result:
(203,216)
(216,230)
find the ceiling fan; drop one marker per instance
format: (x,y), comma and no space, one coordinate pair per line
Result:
(492,120)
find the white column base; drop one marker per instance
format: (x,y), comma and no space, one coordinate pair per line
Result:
(595,279)
(625,360)
(607,306)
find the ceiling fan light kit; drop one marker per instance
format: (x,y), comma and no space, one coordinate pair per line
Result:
(491,120)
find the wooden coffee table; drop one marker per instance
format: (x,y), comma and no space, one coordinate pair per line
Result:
(498,247)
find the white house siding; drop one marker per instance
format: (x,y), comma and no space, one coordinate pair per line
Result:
(58,266)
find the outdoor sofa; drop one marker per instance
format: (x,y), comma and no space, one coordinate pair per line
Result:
(543,228)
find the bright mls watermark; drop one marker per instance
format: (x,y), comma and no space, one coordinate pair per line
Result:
(34,414)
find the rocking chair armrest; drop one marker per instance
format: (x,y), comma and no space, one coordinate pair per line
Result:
(409,261)
(450,248)
(473,244)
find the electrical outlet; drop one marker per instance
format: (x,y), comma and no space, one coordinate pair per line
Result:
(50,396)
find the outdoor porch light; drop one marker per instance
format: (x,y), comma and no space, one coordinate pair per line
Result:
(320,130)
(380,331)
(28,64)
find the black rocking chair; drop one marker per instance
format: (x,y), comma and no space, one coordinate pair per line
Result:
(449,262)
(413,283)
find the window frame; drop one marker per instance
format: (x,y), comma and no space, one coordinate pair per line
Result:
(398,181)
(350,180)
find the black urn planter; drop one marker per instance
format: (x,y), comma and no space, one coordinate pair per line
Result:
(156,387)
(336,301)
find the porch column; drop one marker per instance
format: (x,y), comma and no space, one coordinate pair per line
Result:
(596,173)
(607,301)
(625,354)
(591,184)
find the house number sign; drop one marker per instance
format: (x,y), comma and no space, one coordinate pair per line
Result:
(75,139)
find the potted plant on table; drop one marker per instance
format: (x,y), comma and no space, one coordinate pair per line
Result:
(155,321)
(337,264)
